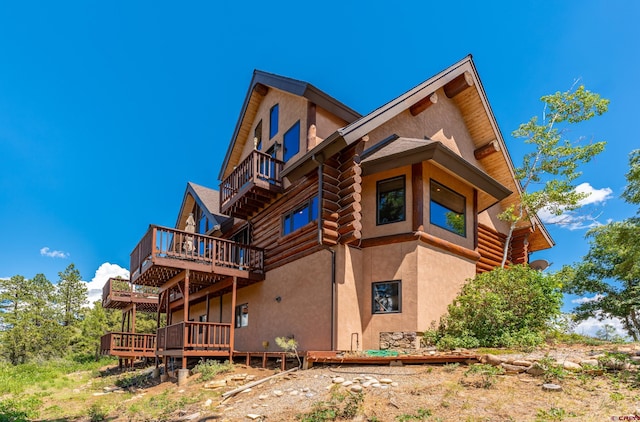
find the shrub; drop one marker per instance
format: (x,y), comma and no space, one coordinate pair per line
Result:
(506,307)
(211,368)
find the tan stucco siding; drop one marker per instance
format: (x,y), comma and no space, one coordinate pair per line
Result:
(490,218)
(327,123)
(291,108)
(441,275)
(350,288)
(386,263)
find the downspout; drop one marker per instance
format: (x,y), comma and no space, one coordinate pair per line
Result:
(319,159)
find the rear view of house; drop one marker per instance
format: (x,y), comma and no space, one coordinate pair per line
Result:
(336,228)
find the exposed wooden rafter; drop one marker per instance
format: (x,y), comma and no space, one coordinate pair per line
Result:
(458,84)
(486,150)
(423,104)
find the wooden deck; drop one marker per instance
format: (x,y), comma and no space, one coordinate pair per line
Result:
(351,358)
(196,339)
(128,345)
(251,185)
(120,294)
(163,253)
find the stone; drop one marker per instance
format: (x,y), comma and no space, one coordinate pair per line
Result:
(551,387)
(589,362)
(294,393)
(394,384)
(491,359)
(524,363)
(208,403)
(571,366)
(386,381)
(338,380)
(254,416)
(347,383)
(215,384)
(356,388)
(512,369)
(263,396)
(278,393)
(239,377)
(535,370)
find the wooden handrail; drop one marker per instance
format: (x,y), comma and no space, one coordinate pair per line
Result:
(127,342)
(190,335)
(257,166)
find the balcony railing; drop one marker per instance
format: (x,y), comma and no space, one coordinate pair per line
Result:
(195,336)
(258,175)
(129,343)
(117,289)
(210,253)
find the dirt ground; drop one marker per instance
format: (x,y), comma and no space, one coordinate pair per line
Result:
(406,393)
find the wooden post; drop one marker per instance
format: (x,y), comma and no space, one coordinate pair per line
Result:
(185,340)
(233,318)
(133,319)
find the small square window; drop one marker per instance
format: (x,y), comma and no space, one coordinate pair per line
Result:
(291,141)
(386,297)
(447,209)
(242,315)
(391,200)
(273,121)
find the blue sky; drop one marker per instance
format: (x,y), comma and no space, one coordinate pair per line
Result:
(108,109)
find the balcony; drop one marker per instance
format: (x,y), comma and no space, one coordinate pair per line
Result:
(194,339)
(119,294)
(128,345)
(251,185)
(163,253)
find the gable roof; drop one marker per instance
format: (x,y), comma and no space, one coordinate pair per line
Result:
(207,199)
(259,86)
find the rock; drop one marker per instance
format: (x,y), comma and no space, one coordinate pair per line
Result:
(347,383)
(394,384)
(238,377)
(386,381)
(376,385)
(305,389)
(491,359)
(635,358)
(524,363)
(571,366)
(208,403)
(263,396)
(551,387)
(356,388)
(535,370)
(338,380)
(278,393)
(512,369)
(589,362)
(250,378)
(254,416)
(294,393)
(215,384)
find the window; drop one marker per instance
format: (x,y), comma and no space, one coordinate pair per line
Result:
(385,297)
(242,315)
(391,200)
(257,136)
(202,318)
(291,141)
(447,209)
(300,216)
(273,121)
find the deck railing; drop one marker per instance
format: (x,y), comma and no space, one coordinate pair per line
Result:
(257,167)
(124,289)
(194,336)
(164,242)
(112,343)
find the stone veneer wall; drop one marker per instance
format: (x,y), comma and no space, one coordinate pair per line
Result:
(399,340)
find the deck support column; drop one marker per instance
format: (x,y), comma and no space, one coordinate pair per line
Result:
(185,293)
(133,319)
(232,330)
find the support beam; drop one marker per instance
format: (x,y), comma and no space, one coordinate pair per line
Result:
(172,281)
(232,332)
(458,84)
(423,104)
(486,150)
(260,89)
(417,192)
(185,294)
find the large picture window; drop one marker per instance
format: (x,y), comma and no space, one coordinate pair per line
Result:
(242,315)
(386,297)
(291,141)
(447,209)
(300,216)
(391,200)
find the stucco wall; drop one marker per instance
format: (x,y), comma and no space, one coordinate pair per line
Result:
(350,288)
(327,123)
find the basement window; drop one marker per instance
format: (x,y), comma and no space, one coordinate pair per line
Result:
(386,297)
(242,315)
(447,209)
(390,194)
(300,216)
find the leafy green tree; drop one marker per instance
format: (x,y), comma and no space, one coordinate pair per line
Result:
(71,295)
(548,173)
(14,324)
(611,268)
(504,307)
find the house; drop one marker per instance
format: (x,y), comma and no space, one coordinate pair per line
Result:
(336,228)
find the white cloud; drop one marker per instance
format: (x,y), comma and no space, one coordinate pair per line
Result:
(103,273)
(587,299)
(53,254)
(590,327)
(573,220)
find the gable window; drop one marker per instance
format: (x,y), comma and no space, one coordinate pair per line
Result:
(273,121)
(390,195)
(291,141)
(300,216)
(386,297)
(257,136)
(447,209)
(242,315)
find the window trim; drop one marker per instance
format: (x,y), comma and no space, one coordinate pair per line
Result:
(464,208)
(404,206)
(398,283)
(312,210)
